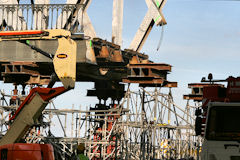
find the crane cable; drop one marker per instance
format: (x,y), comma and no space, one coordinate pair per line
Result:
(162,24)
(161,37)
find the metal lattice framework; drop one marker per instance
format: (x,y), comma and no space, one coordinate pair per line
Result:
(146,124)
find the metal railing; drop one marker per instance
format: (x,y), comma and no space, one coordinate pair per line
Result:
(41,16)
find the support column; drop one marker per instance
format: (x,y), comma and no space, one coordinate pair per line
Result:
(117,22)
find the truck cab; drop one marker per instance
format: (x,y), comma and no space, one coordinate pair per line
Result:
(222,132)
(218,118)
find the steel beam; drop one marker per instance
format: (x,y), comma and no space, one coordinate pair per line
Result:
(117,22)
(153,16)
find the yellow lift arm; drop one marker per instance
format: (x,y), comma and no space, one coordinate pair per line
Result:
(64,62)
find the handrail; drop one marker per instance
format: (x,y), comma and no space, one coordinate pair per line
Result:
(40,16)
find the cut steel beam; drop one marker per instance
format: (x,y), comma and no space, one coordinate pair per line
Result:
(149,75)
(24,73)
(197,91)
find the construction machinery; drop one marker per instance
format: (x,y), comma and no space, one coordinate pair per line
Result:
(135,66)
(122,124)
(217,119)
(30,110)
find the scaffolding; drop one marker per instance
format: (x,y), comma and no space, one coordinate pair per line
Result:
(146,124)
(142,123)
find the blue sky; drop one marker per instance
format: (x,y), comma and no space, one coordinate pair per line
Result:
(201,37)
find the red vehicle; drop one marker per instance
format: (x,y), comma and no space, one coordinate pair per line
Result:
(218,120)
(23,151)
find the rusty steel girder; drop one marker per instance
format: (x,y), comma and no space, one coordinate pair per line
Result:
(197,91)
(110,64)
(149,75)
(23,73)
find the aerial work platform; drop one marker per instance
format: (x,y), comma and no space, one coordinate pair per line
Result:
(28,113)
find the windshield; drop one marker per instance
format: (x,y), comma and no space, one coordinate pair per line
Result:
(223,123)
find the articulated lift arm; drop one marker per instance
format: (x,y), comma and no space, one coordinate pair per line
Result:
(64,60)
(29,112)
(65,68)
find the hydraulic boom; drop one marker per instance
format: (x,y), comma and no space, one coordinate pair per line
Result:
(64,61)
